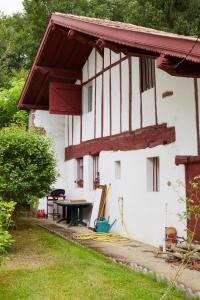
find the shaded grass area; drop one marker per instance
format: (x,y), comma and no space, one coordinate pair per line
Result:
(44,266)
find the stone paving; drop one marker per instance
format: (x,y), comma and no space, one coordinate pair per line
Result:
(136,255)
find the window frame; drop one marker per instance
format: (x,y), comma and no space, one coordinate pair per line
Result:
(118,169)
(79,174)
(147,73)
(153,174)
(96,176)
(89,98)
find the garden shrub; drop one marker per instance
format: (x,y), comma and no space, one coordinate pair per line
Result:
(27,165)
(6,212)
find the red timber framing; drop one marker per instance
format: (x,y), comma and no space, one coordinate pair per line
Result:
(105,69)
(150,136)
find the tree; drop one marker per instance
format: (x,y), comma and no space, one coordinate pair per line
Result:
(13,47)
(9,97)
(27,165)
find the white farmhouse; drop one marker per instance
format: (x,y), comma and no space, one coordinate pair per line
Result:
(122,105)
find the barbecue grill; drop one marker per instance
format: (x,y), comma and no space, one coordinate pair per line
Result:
(54,195)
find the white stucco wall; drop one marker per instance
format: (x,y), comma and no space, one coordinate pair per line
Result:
(54,126)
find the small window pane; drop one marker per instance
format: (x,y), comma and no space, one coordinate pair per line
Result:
(117,169)
(90,98)
(79,172)
(147,73)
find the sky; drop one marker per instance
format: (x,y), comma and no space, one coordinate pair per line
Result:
(9,7)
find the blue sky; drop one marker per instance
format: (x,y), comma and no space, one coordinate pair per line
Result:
(9,7)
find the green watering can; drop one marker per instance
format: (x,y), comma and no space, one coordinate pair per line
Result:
(102,225)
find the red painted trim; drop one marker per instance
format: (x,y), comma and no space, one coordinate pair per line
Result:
(95,94)
(140,83)
(150,136)
(197,113)
(59,72)
(186,159)
(120,91)
(105,69)
(35,106)
(155,96)
(102,100)
(152,40)
(110,95)
(68,128)
(31,72)
(130,93)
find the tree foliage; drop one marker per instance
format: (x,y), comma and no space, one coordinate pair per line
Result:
(6,211)
(13,47)
(27,165)
(9,97)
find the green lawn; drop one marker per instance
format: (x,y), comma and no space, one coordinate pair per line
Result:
(44,266)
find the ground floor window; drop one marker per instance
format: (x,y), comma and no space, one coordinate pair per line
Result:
(153,174)
(96,174)
(79,180)
(117,169)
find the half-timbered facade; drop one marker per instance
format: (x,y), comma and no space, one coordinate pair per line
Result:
(122,105)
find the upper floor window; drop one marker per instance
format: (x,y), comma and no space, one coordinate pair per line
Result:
(89,98)
(147,73)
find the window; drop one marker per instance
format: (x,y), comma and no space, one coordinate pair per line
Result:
(96,175)
(147,73)
(117,169)
(79,180)
(153,174)
(89,99)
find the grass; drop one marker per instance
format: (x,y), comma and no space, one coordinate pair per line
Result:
(43,266)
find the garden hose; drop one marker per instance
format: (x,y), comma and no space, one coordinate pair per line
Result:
(103,237)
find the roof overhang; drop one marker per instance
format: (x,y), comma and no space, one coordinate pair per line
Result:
(68,41)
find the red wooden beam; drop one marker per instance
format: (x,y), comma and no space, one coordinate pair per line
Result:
(150,136)
(35,106)
(187,159)
(60,72)
(178,67)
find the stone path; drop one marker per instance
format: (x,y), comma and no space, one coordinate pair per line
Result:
(134,254)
